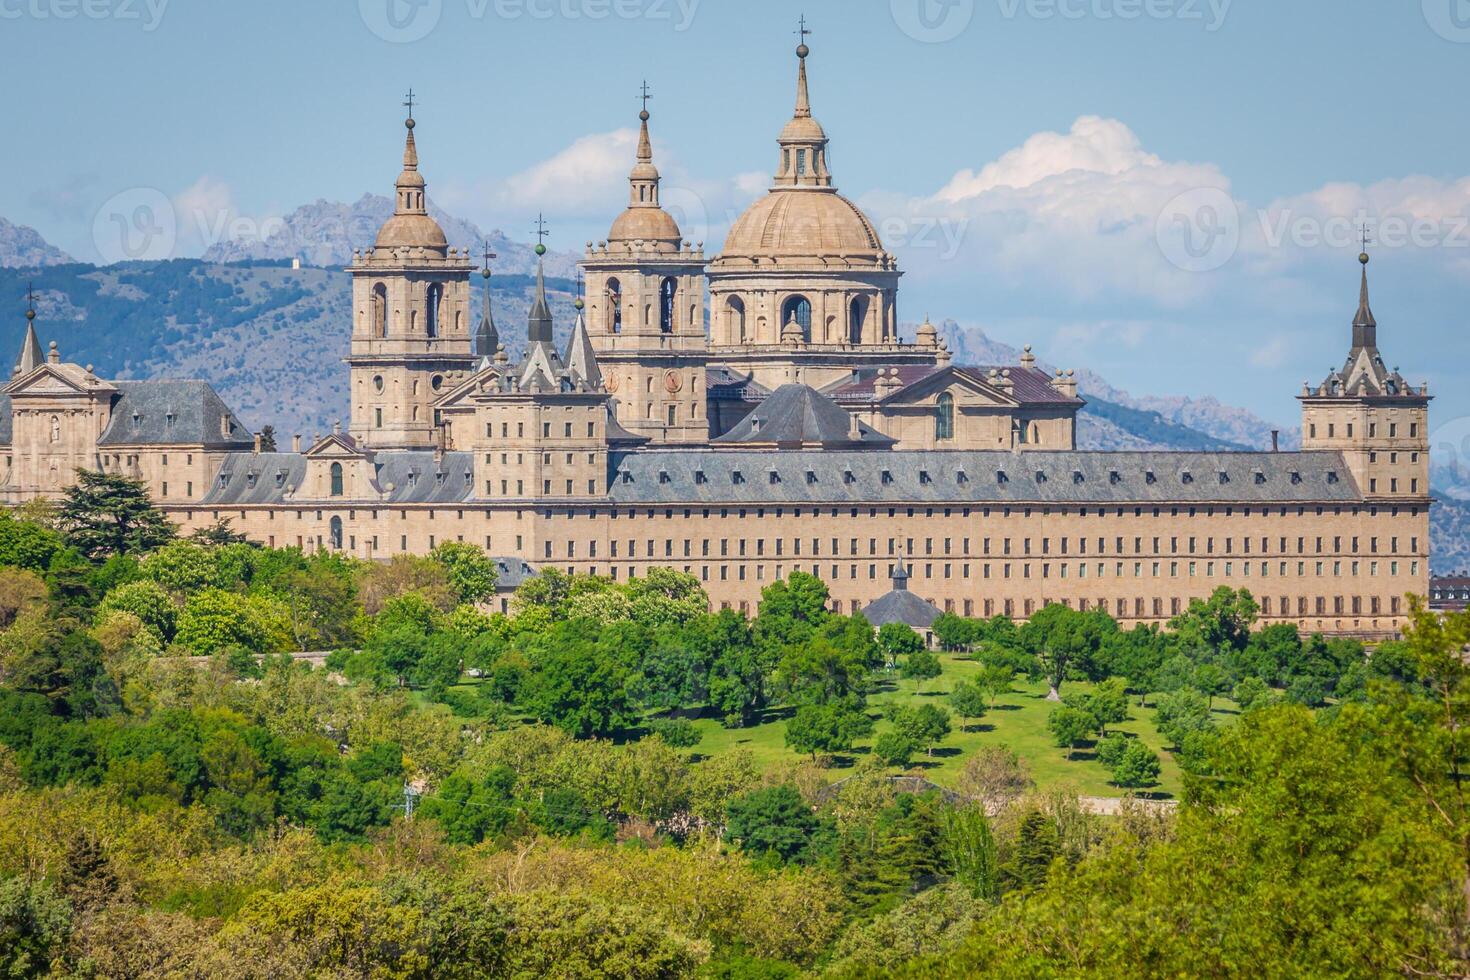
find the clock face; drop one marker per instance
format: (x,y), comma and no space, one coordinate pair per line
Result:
(672,382)
(612,382)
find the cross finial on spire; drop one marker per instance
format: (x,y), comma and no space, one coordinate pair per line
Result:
(802,32)
(645,95)
(1367,237)
(30,301)
(488,256)
(541,229)
(408,101)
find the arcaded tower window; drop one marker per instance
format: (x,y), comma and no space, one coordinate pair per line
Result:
(435,301)
(667,291)
(614,306)
(736,310)
(799,309)
(380,310)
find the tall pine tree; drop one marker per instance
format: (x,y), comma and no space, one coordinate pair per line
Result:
(106,514)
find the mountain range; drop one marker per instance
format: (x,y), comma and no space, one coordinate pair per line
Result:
(271,338)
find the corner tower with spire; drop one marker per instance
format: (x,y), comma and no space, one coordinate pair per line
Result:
(645,311)
(1370,414)
(411,337)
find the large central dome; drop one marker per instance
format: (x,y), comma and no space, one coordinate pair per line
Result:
(790,224)
(803,221)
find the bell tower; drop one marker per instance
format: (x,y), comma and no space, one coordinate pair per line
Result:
(1370,414)
(645,312)
(411,339)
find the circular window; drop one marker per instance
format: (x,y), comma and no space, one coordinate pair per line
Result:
(378,382)
(436,382)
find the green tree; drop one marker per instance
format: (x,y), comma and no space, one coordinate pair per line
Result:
(1252,693)
(472,573)
(213,618)
(579,689)
(898,640)
(147,600)
(1221,622)
(1181,712)
(971,851)
(969,701)
(35,923)
(925,725)
(1067,642)
(1136,766)
(920,667)
(1108,703)
(1037,847)
(893,749)
(827,727)
(775,821)
(470,810)
(996,681)
(105,514)
(1069,726)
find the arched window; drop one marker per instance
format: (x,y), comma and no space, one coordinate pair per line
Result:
(336,479)
(667,290)
(799,309)
(336,533)
(380,311)
(735,311)
(614,306)
(435,299)
(856,319)
(944,418)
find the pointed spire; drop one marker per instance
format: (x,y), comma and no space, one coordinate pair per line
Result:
(581,359)
(487,338)
(538,326)
(803,141)
(1365,312)
(31,356)
(410,198)
(900,577)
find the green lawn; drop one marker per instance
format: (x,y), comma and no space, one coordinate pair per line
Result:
(1017,721)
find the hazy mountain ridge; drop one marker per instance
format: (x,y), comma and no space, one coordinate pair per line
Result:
(325,233)
(22,247)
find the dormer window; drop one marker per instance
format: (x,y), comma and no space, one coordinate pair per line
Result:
(224,480)
(924,477)
(1296,477)
(811,476)
(1077,477)
(1114,477)
(774,477)
(700,478)
(250,479)
(1149,477)
(413,478)
(1186,477)
(1040,476)
(626,475)
(439,478)
(1224,477)
(849,477)
(887,477)
(136,419)
(663,476)
(168,420)
(1332,476)
(1001,477)
(737,477)
(961,476)
(280,478)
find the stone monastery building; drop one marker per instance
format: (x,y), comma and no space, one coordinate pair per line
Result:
(797,432)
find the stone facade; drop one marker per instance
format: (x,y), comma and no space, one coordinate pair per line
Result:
(795,435)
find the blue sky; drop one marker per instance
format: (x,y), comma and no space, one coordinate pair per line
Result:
(1036,164)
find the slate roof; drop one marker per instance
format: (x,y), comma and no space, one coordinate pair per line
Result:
(415,477)
(671,476)
(510,573)
(799,414)
(901,606)
(1029,386)
(172,413)
(727,384)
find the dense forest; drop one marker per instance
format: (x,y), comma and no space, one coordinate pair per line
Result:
(613,781)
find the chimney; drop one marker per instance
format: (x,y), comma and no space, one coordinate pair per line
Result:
(257,444)
(1276,440)
(296,444)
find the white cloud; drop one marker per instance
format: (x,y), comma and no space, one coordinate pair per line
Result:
(1272,354)
(1126,334)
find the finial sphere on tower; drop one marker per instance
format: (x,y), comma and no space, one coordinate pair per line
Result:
(540,249)
(1363,257)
